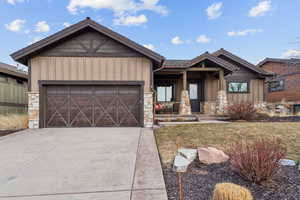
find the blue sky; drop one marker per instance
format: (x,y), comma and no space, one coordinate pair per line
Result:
(252,29)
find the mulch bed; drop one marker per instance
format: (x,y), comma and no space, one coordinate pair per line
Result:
(200,180)
(279,119)
(7,132)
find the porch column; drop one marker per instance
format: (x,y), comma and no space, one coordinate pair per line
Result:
(184,80)
(222,95)
(221,80)
(185,105)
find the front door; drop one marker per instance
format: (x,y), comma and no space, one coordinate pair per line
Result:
(195,95)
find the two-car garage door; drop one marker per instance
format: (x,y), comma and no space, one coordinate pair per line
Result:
(92,105)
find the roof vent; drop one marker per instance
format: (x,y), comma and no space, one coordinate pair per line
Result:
(88,18)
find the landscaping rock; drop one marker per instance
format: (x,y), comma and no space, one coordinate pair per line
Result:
(211,155)
(287,162)
(189,154)
(181,164)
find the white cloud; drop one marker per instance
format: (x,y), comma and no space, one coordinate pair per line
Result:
(42,26)
(27,31)
(214,11)
(203,39)
(291,53)
(149,46)
(119,7)
(131,20)
(244,32)
(66,24)
(34,40)
(14,2)
(16,25)
(177,40)
(261,9)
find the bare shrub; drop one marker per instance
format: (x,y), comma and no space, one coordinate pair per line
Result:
(13,122)
(257,161)
(241,111)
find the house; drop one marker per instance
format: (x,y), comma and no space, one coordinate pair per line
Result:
(87,75)
(282,90)
(13,90)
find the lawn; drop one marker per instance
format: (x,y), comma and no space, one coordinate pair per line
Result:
(222,135)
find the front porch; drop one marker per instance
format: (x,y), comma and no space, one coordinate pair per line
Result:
(196,90)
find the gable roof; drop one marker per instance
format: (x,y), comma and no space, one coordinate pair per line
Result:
(184,64)
(176,63)
(12,70)
(278,60)
(241,61)
(24,54)
(215,59)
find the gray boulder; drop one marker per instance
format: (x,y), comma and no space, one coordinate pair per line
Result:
(287,162)
(181,164)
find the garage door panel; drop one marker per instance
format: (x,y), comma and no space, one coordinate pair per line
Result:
(57,110)
(93,106)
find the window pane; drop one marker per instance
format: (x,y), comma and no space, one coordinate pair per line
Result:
(238,87)
(161,93)
(168,93)
(164,93)
(193,91)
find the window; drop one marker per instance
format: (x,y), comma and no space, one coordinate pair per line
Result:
(297,109)
(276,85)
(164,93)
(238,86)
(193,91)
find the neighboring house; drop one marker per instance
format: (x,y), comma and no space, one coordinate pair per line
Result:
(13,90)
(88,75)
(283,88)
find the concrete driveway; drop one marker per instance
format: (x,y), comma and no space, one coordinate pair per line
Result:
(82,163)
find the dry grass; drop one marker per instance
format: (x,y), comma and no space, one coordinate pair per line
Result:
(13,122)
(222,135)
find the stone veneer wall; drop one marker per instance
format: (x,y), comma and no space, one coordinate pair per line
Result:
(222,102)
(33,110)
(148,109)
(185,104)
(209,107)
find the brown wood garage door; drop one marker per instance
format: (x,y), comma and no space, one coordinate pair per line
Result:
(93,106)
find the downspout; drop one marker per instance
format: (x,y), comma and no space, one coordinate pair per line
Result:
(152,85)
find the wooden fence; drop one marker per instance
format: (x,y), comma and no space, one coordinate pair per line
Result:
(13,96)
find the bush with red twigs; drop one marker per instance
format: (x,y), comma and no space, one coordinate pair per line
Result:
(241,111)
(257,161)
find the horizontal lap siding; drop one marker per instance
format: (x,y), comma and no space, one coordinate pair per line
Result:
(90,68)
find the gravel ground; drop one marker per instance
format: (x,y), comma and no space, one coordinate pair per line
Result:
(200,180)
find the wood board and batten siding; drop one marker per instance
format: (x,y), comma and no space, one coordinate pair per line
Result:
(13,96)
(90,68)
(255,94)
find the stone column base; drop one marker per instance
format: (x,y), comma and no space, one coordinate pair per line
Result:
(33,110)
(148,109)
(185,104)
(222,102)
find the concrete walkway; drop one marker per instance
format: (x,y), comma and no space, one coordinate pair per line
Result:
(83,163)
